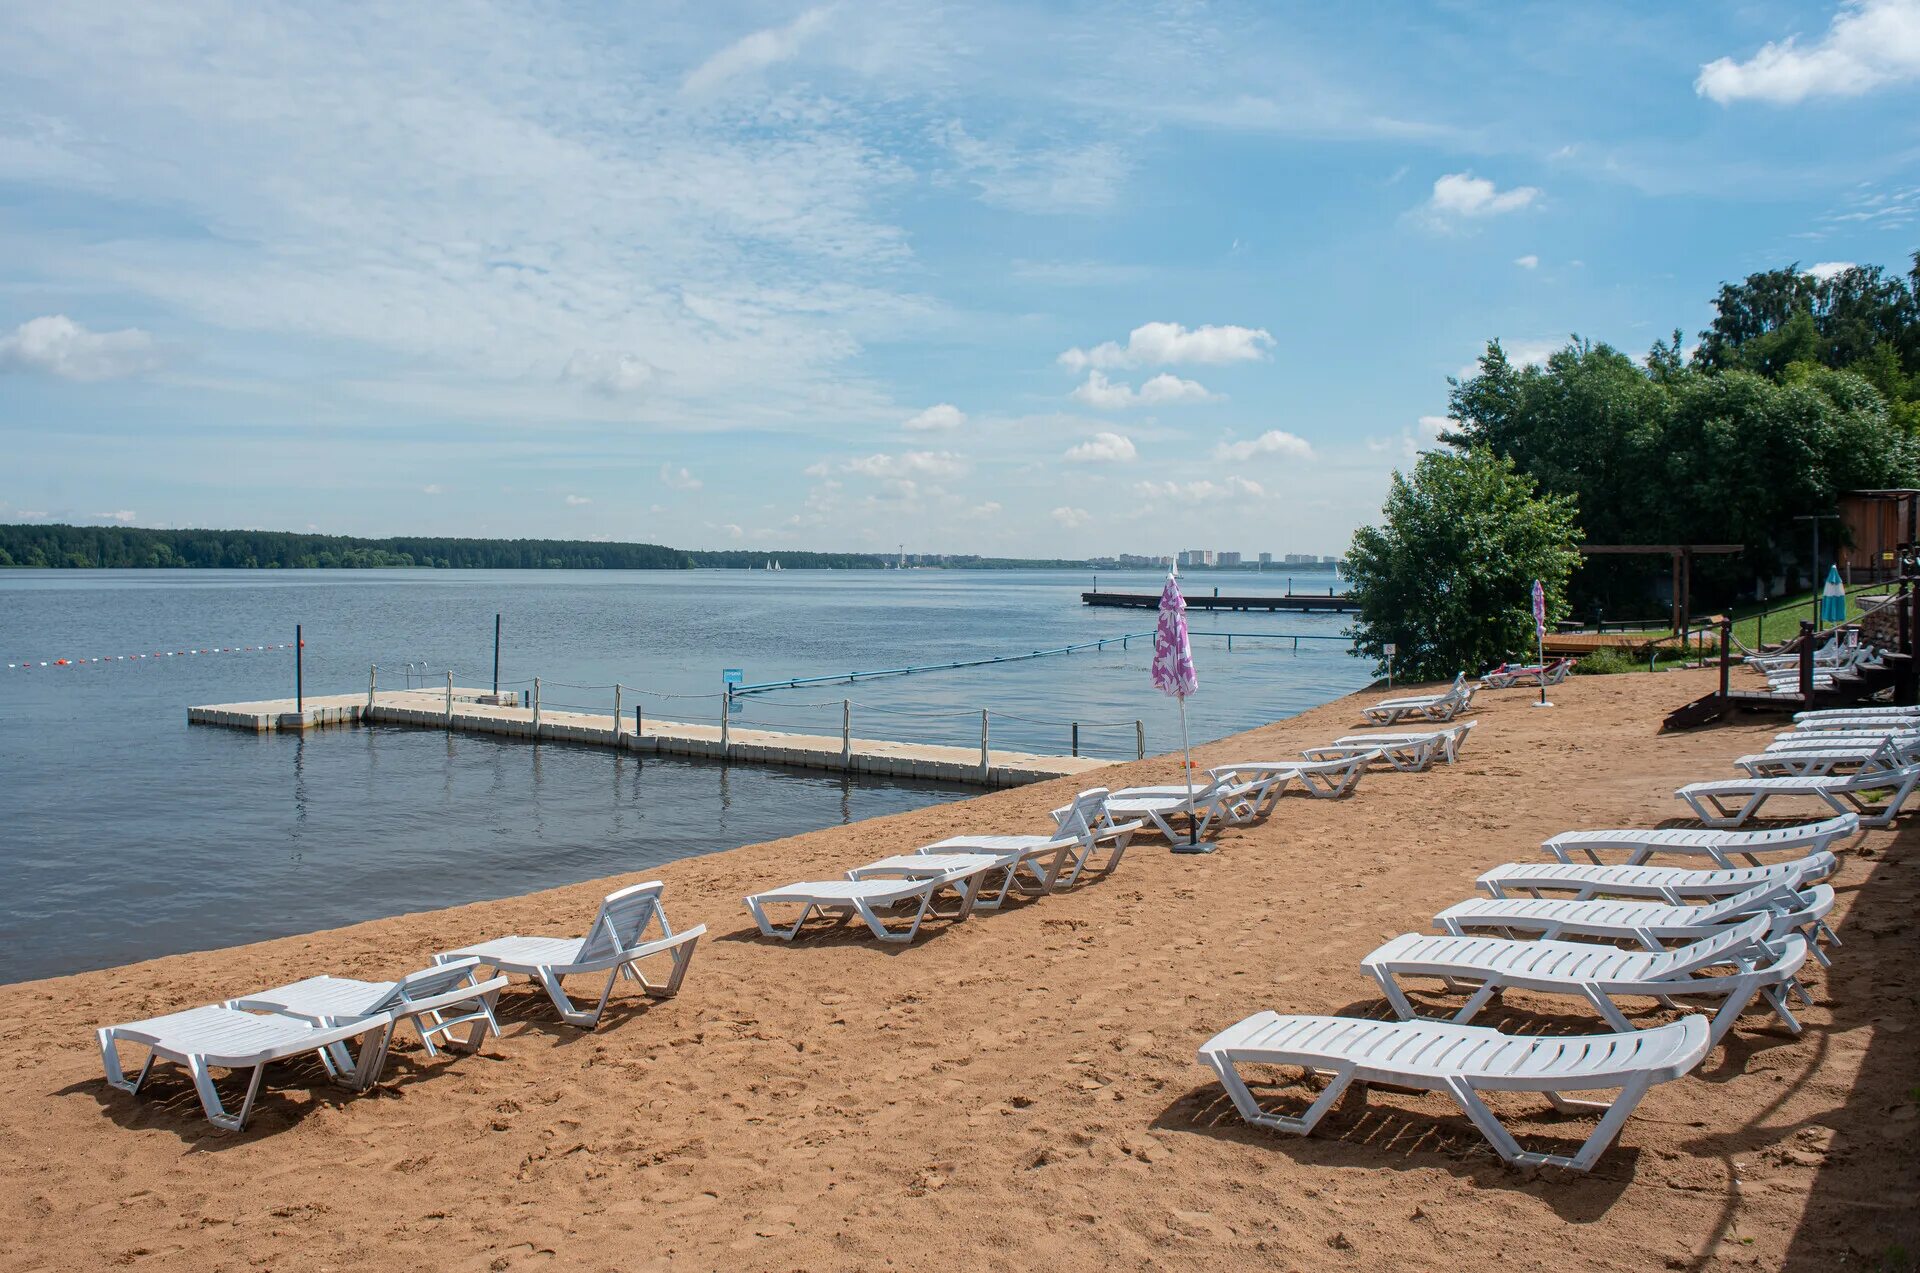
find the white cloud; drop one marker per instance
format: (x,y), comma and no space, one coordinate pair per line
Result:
(607,372)
(1527,262)
(820,468)
(1104,448)
(1461,194)
(1071,518)
(58,346)
(577,501)
(756,52)
(1828,269)
(1870,43)
(989,509)
(433,488)
(678,479)
(1166,344)
(910,464)
(123,516)
(1161,390)
(1434,428)
(1200,491)
(1272,442)
(1043,180)
(940,417)
(732,531)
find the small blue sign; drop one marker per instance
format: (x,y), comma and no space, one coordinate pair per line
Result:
(732,676)
(733,706)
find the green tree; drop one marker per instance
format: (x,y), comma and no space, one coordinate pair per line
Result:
(1447,575)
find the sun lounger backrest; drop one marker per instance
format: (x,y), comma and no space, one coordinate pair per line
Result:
(1083,818)
(622,920)
(432,981)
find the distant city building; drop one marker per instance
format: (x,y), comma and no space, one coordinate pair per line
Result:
(1137,562)
(1197,557)
(1266,559)
(1331,561)
(1226,559)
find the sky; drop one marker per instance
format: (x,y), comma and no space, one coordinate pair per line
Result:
(1027,280)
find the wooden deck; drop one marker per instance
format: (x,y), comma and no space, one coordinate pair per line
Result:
(430,709)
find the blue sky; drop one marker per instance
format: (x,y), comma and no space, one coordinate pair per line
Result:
(1002,279)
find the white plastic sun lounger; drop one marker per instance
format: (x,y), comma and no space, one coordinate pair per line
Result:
(434,1001)
(1328,779)
(1718,847)
(615,944)
(1887,718)
(1451,738)
(1674,884)
(1462,1061)
(866,900)
(1819,762)
(1027,870)
(1655,925)
(1411,756)
(1824,714)
(1728,802)
(1444,706)
(1903,741)
(1085,824)
(216,1037)
(1218,800)
(1599,974)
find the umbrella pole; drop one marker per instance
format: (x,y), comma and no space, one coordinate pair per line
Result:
(1186,750)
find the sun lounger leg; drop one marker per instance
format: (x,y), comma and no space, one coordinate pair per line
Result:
(110,1062)
(1301,1124)
(1778,999)
(682,956)
(210,1097)
(1478,1000)
(1396,997)
(1609,1010)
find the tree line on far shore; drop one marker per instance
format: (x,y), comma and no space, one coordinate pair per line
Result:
(126,547)
(1802,388)
(58,546)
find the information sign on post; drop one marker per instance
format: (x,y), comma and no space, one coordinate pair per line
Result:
(1391,650)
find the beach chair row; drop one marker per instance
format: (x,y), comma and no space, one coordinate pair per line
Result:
(322,1015)
(1601,932)
(952,878)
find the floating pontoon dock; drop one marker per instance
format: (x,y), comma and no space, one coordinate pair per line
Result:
(459,711)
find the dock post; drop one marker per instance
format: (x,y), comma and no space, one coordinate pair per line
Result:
(299,661)
(1229,640)
(846,733)
(1076,738)
(373,670)
(1139,740)
(616,714)
(496,654)
(449,698)
(986,767)
(639,720)
(726,710)
(536,709)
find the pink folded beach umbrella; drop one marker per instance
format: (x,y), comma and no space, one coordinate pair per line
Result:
(1173,674)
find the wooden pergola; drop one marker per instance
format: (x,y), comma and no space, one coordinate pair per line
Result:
(1682,555)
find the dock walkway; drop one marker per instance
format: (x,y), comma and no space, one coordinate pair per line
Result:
(429,709)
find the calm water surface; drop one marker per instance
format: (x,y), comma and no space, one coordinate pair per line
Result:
(125,835)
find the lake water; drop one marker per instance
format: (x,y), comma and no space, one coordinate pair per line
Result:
(124,834)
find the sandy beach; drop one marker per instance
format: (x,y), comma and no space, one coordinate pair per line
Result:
(1017,1090)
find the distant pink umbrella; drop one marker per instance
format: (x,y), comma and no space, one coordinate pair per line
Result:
(1173,673)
